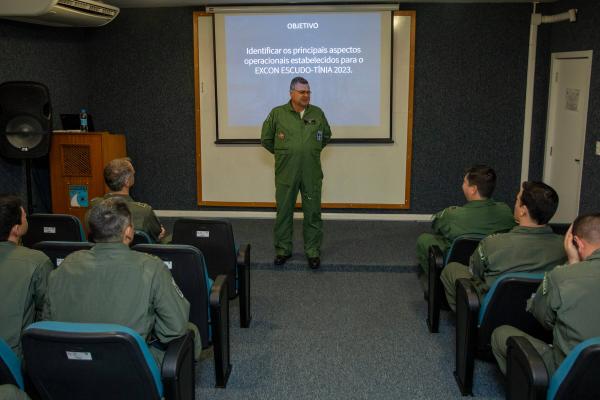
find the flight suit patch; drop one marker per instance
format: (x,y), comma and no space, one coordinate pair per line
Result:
(281,136)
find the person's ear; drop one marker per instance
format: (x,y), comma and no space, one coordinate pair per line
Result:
(128,234)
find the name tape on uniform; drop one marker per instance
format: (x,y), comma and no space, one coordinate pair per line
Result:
(202,234)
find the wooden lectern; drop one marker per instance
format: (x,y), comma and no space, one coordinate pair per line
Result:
(77,161)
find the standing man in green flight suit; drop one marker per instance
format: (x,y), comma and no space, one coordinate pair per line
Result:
(567,301)
(481,215)
(296,133)
(530,246)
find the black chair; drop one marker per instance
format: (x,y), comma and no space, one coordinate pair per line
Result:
(58,251)
(187,266)
(104,361)
(504,304)
(460,251)
(141,237)
(10,367)
(560,229)
(55,227)
(214,238)
(575,379)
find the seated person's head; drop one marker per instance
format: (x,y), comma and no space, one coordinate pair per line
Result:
(479,182)
(536,202)
(586,234)
(110,222)
(13,220)
(119,174)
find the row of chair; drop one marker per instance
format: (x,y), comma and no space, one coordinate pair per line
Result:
(205,248)
(504,304)
(214,238)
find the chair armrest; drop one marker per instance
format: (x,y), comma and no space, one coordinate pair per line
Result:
(435,292)
(469,298)
(177,370)
(219,315)
(526,374)
(467,311)
(243,266)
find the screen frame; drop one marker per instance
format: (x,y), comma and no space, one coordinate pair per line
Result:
(274,9)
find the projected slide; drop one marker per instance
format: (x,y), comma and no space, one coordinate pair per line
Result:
(346,57)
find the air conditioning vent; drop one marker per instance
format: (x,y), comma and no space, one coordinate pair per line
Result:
(92,8)
(77,13)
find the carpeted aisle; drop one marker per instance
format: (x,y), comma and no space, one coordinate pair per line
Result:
(341,335)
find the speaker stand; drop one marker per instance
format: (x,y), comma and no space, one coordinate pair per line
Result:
(29,191)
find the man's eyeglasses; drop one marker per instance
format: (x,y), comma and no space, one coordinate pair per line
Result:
(303,92)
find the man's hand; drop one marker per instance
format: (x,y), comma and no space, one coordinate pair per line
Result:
(162,233)
(571,248)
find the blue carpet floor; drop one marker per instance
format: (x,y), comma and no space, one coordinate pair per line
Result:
(341,335)
(365,245)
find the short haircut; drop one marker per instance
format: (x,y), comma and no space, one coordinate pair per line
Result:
(296,80)
(10,214)
(108,219)
(483,177)
(541,201)
(587,227)
(117,172)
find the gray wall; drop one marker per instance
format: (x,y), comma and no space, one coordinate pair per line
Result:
(57,58)
(136,76)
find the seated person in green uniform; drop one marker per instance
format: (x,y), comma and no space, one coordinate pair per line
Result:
(567,301)
(23,274)
(11,392)
(530,246)
(480,215)
(113,284)
(119,176)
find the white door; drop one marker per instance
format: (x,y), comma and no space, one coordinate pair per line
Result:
(565,132)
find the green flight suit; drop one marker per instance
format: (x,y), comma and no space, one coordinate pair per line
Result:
(23,280)
(11,392)
(144,218)
(477,216)
(297,144)
(523,249)
(113,284)
(568,302)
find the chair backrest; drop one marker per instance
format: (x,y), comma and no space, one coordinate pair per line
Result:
(462,247)
(505,304)
(560,229)
(141,237)
(10,366)
(577,376)
(214,238)
(92,361)
(55,227)
(58,251)
(187,266)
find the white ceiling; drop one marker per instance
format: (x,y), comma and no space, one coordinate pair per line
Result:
(199,3)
